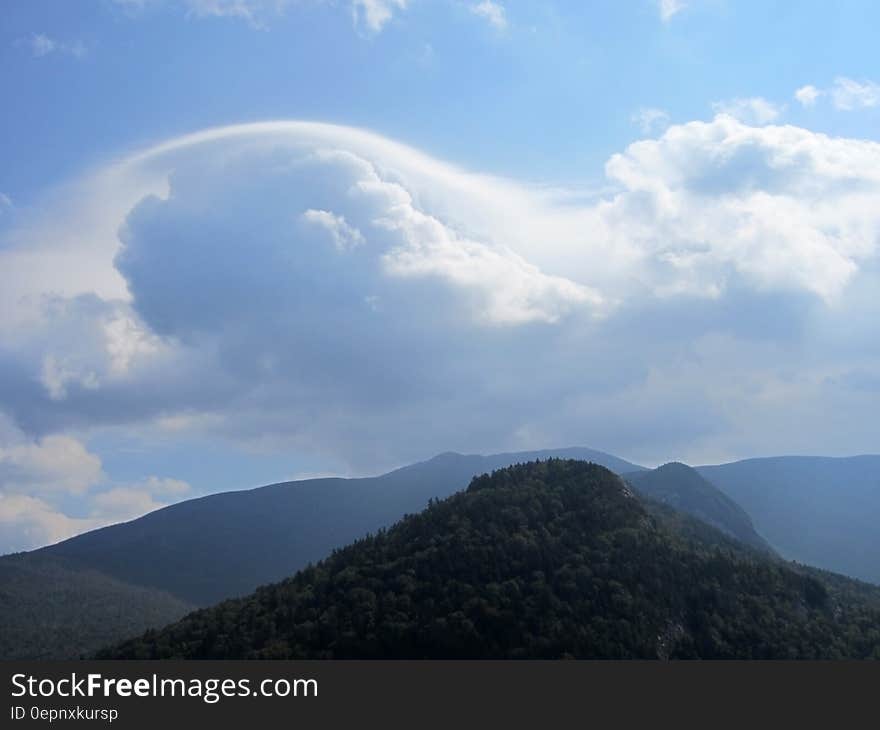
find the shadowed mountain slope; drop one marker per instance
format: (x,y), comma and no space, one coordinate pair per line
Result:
(818,510)
(52,609)
(684,489)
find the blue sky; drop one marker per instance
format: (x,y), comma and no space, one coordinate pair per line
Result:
(649,227)
(549,96)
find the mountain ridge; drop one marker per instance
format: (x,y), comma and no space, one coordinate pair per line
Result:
(217,546)
(296,522)
(540,560)
(685,489)
(820,510)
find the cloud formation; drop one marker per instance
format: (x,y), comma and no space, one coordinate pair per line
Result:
(807,95)
(256,13)
(40,45)
(492,12)
(373,15)
(650,120)
(54,463)
(29,522)
(670,8)
(753,110)
(370,16)
(316,288)
(343,235)
(124,502)
(41,478)
(848,94)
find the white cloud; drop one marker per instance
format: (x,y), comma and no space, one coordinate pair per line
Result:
(373,15)
(740,167)
(56,375)
(84,343)
(29,522)
(134,6)
(722,153)
(492,12)
(257,13)
(38,478)
(53,464)
(754,110)
(369,15)
(126,341)
(775,203)
(650,120)
(807,95)
(509,289)
(344,236)
(848,95)
(41,45)
(164,486)
(466,311)
(669,8)
(130,501)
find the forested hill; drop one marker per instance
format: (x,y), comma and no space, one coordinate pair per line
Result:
(684,489)
(51,608)
(206,550)
(548,559)
(155,569)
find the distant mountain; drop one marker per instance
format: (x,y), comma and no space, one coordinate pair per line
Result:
(684,489)
(150,571)
(51,609)
(204,550)
(543,560)
(817,510)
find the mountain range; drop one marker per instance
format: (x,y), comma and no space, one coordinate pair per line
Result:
(545,560)
(684,489)
(199,552)
(821,511)
(204,550)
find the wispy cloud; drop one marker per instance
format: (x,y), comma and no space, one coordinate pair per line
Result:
(845,94)
(751,110)
(493,12)
(370,16)
(670,8)
(257,13)
(848,94)
(41,45)
(807,95)
(650,119)
(373,15)
(343,236)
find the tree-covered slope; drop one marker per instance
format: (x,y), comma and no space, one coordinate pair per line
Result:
(684,489)
(819,510)
(208,549)
(50,609)
(548,559)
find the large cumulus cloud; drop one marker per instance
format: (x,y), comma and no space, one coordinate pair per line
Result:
(780,207)
(320,289)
